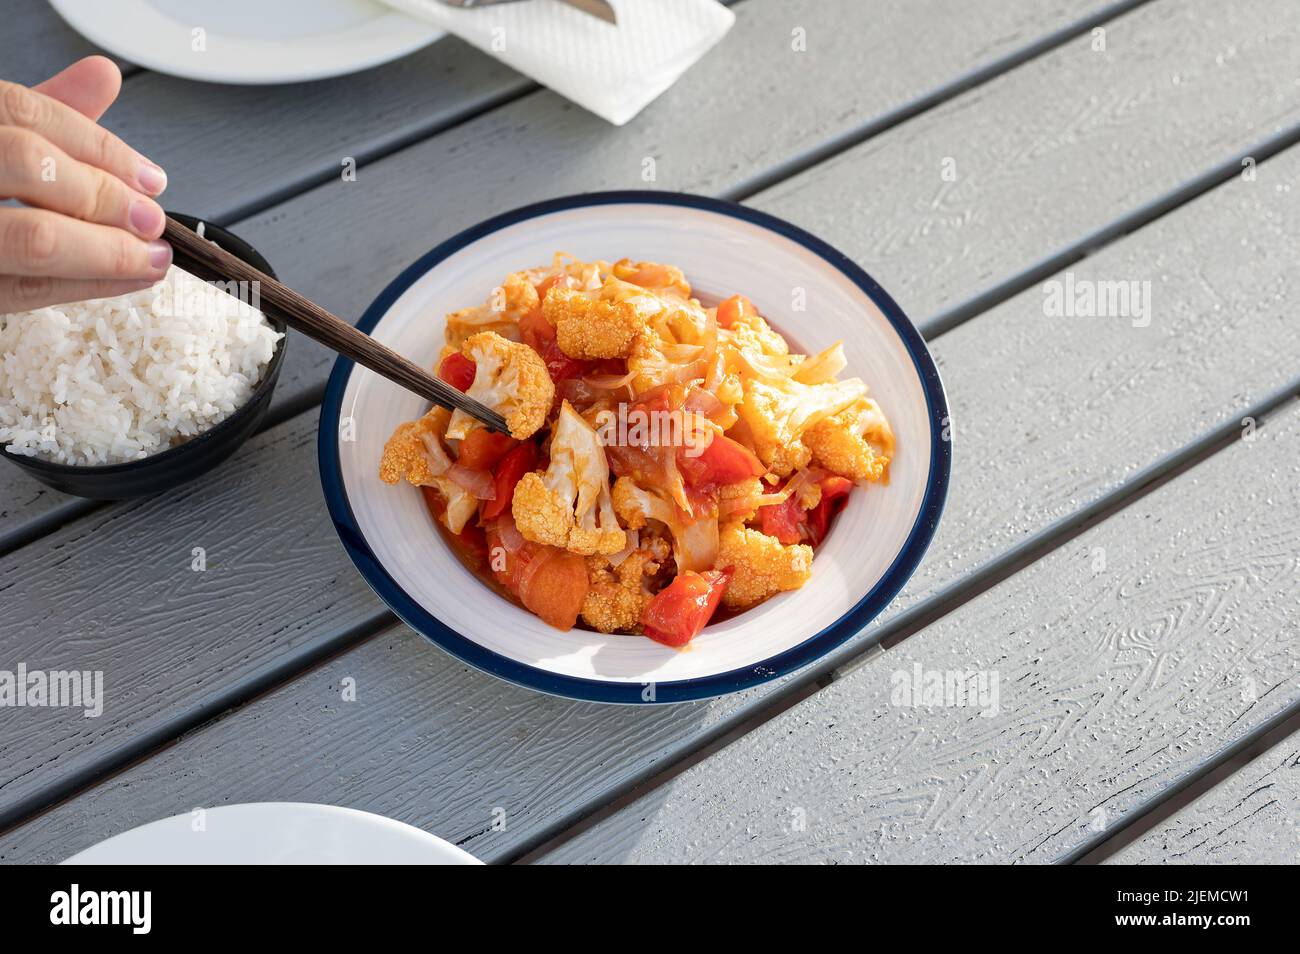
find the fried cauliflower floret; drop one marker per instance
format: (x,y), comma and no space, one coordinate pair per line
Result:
(810,495)
(763,565)
(656,360)
(570,504)
(733,498)
(602,324)
(753,331)
(778,416)
(500,313)
(857,443)
(415,454)
(511,379)
(695,541)
(618,594)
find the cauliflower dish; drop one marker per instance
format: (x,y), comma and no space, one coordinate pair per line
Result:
(666,461)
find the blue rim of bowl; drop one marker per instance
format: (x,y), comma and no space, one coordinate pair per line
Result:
(685,690)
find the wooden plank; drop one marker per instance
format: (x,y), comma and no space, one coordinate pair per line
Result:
(36,43)
(372,608)
(233,149)
(437,745)
(1112,684)
(428,192)
(1049,153)
(1252,818)
(409,201)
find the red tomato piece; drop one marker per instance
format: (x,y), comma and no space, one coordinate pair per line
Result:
(733,308)
(550,583)
(723,462)
(560,366)
(834,490)
(457,370)
(474,541)
(684,607)
(539,335)
(483,449)
(535,330)
(513,466)
(782,520)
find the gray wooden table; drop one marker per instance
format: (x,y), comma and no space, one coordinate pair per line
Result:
(1119,547)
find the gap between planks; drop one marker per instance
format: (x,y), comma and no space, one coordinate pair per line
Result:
(285,669)
(936,97)
(844,661)
(293,666)
(1214,771)
(798,688)
(930,328)
(72,510)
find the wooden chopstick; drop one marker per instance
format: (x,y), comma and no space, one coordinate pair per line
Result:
(208,261)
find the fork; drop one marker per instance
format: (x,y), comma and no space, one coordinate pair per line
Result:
(597,8)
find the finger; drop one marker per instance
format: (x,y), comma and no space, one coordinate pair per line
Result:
(78,136)
(40,242)
(89,86)
(39,173)
(28,292)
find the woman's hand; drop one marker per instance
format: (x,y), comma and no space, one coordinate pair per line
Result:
(90,228)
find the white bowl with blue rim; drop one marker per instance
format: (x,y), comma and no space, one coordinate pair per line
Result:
(810,292)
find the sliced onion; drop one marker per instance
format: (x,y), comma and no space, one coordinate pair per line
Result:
(479,483)
(796,483)
(632,545)
(673,481)
(609,382)
(695,544)
(536,561)
(822,368)
(703,402)
(511,538)
(745,504)
(439,462)
(710,337)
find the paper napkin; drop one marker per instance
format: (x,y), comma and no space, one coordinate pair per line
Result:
(614,71)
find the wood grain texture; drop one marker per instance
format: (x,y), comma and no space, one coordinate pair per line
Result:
(119,592)
(1112,683)
(35,43)
(1251,818)
(461,744)
(340,243)
(1046,154)
(229,149)
(509,147)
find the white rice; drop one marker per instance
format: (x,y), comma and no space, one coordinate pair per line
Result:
(118,379)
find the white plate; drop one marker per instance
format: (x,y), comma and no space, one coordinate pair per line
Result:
(874,544)
(268,833)
(249,41)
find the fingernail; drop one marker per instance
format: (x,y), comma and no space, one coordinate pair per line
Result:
(146,217)
(160,255)
(151,177)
